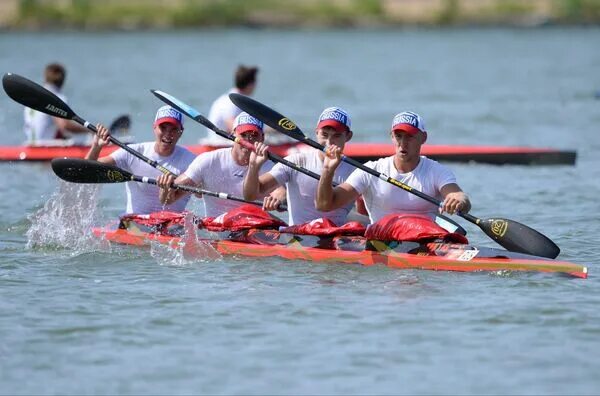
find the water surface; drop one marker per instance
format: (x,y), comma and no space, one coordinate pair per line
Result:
(78,316)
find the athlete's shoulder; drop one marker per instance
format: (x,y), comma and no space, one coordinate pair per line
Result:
(381,163)
(184,154)
(139,147)
(428,163)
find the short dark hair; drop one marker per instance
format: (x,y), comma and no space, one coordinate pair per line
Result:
(55,73)
(245,75)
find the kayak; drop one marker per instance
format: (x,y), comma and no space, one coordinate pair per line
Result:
(437,256)
(363,152)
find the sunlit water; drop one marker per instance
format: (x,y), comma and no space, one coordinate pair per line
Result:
(78,315)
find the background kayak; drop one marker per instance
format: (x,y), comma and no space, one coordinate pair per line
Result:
(497,155)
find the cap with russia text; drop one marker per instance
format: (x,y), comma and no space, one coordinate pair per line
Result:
(169,115)
(244,122)
(409,122)
(335,118)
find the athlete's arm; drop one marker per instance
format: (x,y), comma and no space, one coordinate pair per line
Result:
(168,195)
(329,198)
(455,200)
(100,140)
(255,186)
(68,125)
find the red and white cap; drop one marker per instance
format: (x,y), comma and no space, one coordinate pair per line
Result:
(169,115)
(335,118)
(408,122)
(244,122)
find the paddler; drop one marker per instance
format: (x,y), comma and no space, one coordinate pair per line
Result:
(40,127)
(144,198)
(407,165)
(220,170)
(223,112)
(333,129)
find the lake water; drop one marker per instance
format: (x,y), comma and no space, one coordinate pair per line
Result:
(78,316)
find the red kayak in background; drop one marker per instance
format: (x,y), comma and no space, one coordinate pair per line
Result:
(497,155)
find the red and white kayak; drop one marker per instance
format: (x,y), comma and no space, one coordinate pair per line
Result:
(437,256)
(363,152)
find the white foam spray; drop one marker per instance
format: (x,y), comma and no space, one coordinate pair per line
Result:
(66,219)
(189,250)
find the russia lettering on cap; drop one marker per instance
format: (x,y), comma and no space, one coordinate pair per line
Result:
(409,122)
(169,115)
(335,118)
(245,122)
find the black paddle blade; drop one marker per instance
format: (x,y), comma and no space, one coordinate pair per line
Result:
(517,237)
(267,115)
(34,96)
(121,124)
(77,170)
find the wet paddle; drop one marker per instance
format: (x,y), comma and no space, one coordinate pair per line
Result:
(77,170)
(509,234)
(34,96)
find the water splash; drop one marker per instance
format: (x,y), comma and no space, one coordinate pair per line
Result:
(187,250)
(66,220)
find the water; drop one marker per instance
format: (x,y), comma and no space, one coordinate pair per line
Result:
(82,317)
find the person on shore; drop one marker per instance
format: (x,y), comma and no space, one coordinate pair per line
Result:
(40,127)
(144,198)
(407,166)
(220,170)
(333,129)
(223,112)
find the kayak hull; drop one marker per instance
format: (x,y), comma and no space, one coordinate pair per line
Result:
(389,258)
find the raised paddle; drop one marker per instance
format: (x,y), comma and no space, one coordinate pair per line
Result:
(77,170)
(509,234)
(196,116)
(34,96)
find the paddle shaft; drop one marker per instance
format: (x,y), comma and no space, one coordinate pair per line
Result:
(196,116)
(164,170)
(33,95)
(388,179)
(125,147)
(76,170)
(149,180)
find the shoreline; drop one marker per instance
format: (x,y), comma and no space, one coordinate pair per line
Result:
(133,15)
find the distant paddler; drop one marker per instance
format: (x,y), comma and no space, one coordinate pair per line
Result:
(40,127)
(144,198)
(223,112)
(407,166)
